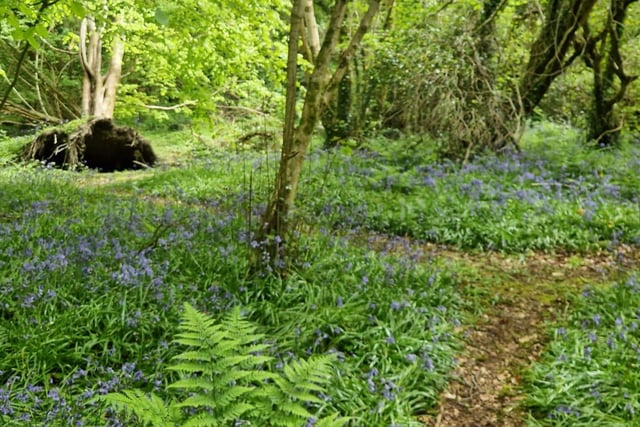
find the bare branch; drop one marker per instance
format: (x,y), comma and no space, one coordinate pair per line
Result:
(172,107)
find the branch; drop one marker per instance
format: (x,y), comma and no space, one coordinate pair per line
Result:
(346,54)
(83,47)
(331,37)
(172,107)
(43,6)
(23,55)
(241,108)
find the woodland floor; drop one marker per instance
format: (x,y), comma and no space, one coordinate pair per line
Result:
(523,294)
(517,296)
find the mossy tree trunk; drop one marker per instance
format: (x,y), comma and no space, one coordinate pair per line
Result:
(336,118)
(276,223)
(610,82)
(548,54)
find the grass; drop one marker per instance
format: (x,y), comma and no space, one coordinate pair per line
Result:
(93,282)
(590,372)
(94,271)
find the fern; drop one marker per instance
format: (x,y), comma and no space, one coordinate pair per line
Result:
(149,409)
(222,379)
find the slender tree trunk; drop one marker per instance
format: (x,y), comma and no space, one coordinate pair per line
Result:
(312,33)
(98,90)
(112,78)
(276,223)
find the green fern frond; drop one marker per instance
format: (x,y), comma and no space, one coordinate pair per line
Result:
(333,420)
(193,320)
(307,373)
(206,339)
(283,420)
(223,370)
(233,376)
(238,326)
(260,376)
(257,349)
(204,420)
(187,368)
(194,356)
(222,400)
(193,384)
(148,409)
(296,409)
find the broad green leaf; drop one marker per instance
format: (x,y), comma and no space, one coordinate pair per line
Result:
(17,34)
(162,17)
(77,8)
(41,30)
(13,20)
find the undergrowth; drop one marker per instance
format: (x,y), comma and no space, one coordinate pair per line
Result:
(93,276)
(554,195)
(93,282)
(223,381)
(590,373)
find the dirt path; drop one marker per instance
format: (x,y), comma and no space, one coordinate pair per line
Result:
(483,387)
(527,293)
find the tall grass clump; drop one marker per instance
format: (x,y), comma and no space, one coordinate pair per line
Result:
(590,372)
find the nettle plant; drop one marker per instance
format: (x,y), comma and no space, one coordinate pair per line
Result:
(224,381)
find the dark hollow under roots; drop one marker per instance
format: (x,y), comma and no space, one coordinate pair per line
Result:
(97,144)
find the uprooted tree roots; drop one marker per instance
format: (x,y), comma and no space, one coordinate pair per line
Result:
(97,144)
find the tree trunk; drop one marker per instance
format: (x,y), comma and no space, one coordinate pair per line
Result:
(98,90)
(602,54)
(547,54)
(276,223)
(312,34)
(336,118)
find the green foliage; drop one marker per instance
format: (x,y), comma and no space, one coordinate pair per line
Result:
(556,194)
(223,379)
(95,270)
(590,373)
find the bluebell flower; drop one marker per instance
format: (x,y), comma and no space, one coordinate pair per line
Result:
(596,319)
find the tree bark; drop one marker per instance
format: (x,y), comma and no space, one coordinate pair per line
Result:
(548,52)
(276,222)
(602,54)
(98,90)
(312,33)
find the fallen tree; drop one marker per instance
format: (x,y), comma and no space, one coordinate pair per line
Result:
(97,144)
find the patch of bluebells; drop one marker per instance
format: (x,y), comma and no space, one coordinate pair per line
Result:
(543,202)
(120,263)
(72,401)
(592,367)
(128,265)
